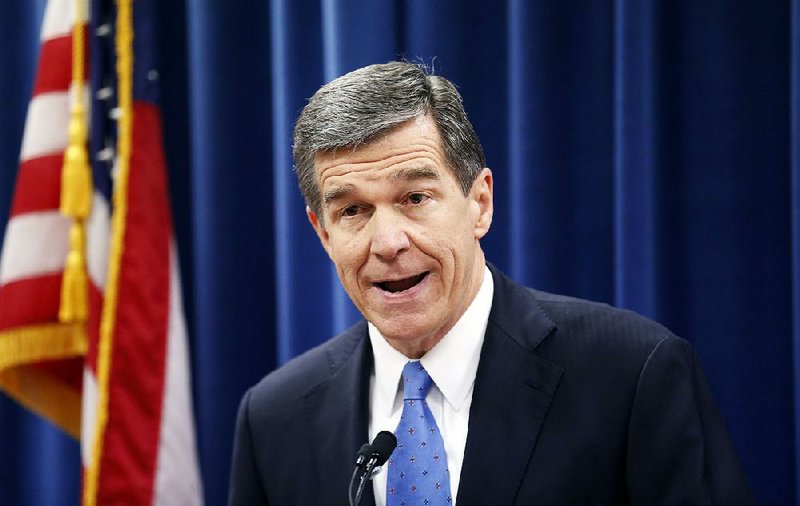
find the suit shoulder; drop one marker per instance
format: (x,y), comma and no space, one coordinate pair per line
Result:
(290,382)
(601,317)
(576,323)
(603,333)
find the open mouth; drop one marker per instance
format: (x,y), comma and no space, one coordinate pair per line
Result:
(401,285)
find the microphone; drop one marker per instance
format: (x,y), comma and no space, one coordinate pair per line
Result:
(382,446)
(369,459)
(363,454)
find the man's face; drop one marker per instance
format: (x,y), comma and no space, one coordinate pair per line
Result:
(401,233)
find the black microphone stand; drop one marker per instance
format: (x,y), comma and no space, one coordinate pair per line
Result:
(368,459)
(366,475)
(362,457)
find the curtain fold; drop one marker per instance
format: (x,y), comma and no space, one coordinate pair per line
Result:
(795,156)
(645,154)
(233,234)
(635,157)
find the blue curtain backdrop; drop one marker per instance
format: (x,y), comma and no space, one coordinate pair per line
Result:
(646,154)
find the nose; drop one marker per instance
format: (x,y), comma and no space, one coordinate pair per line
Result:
(388,236)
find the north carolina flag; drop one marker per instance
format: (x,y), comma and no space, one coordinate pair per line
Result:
(101,351)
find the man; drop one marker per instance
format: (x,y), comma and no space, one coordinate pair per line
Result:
(498,394)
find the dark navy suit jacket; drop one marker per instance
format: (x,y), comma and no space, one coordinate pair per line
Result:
(574,403)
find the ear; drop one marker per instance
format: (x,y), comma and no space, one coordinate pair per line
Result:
(482,194)
(319,228)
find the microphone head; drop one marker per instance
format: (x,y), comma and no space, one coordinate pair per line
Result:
(382,446)
(363,454)
(365,450)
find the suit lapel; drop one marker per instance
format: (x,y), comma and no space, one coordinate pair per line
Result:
(339,412)
(513,392)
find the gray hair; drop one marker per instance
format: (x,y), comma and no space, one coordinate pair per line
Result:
(359,107)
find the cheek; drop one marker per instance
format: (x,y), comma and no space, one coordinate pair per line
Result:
(445,237)
(348,255)
(461,248)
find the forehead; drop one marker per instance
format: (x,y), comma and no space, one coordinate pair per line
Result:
(415,143)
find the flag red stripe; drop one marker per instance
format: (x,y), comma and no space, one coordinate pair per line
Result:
(38,185)
(30,301)
(128,463)
(55,65)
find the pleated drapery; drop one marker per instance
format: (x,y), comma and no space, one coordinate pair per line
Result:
(645,153)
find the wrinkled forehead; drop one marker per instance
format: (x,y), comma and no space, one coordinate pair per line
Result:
(411,145)
(418,136)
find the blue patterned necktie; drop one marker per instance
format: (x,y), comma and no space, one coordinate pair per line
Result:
(417,471)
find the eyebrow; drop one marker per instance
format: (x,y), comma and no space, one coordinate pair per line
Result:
(337,193)
(414,173)
(408,174)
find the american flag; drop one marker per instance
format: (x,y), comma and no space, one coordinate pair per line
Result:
(105,359)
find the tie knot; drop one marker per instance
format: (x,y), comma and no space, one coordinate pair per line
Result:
(416,381)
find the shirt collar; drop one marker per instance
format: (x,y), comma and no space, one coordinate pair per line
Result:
(452,362)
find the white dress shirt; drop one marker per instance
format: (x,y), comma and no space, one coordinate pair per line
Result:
(452,364)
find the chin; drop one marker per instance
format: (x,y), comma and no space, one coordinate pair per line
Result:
(398,332)
(402,329)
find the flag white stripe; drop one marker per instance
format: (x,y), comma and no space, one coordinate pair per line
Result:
(57,19)
(59,16)
(177,473)
(98,234)
(46,125)
(47,233)
(88,414)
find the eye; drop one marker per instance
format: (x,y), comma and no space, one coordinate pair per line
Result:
(350,211)
(416,198)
